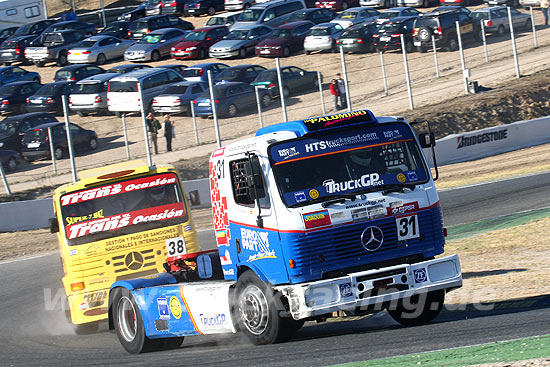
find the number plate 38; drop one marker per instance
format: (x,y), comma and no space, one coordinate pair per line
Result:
(407,227)
(176,247)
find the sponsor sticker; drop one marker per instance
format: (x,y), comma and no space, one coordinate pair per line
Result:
(401,177)
(258,242)
(367,180)
(300,196)
(162,304)
(226,258)
(175,307)
(403,209)
(314,194)
(345,290)
(317,219)
(420,275)
(412,176)
(212,322)
(288,152)
(229,272)
(73,252)
(84,306)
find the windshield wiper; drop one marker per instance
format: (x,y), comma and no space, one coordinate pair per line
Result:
(338,199)
(397,188)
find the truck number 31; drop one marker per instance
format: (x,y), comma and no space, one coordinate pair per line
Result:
(407,227)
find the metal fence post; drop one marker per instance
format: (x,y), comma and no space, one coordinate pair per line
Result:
(281,89)
(436,61)
(4,180)
(194,122)
(516,61)
(484,38)
(320,82)
(384,78)
(69,136)
(406,63)
(144,123)
(259,103)
(214,112)
(54,165)
(462,61)
(535,41)
(125,131)
(345,72)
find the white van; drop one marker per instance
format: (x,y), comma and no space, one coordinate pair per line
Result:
(123,92)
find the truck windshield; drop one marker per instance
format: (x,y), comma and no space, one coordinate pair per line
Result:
(122,208)
(365,159)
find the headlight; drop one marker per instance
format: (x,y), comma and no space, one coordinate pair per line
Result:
(276,47)
(190,48)
(1,145)
(140,52)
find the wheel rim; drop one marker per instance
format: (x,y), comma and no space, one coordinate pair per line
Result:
(156,56)
(12,164)
(500,30)
(101,59)
(62,59)
(126,319)
(266,100)
(254,310)
(93,144)
(232,110)
(58,153)
(242,53)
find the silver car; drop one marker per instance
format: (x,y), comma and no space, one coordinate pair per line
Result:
(323,37)
(154,45)
(90,94)
(240,41)
(177,97)
(495,19)
(98,49)
(355,16)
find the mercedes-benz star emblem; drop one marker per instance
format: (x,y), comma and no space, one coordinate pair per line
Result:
(133,260)
(372,238)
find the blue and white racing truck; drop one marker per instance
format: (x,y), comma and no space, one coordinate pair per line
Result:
(329,215)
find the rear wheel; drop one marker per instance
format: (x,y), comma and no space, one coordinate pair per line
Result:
(211,11)
(500,30)
(344,5)
(118,114)
(418,309)
(92,144)
(421,49)
(286,92)
(528,24)
(12,164)
(39,63)
(81,113)
(266,100)
(62,59)
(232,110)
(409,47)
(452,45)
(315,83)
(101,59)
(155,56)
(22,108)
(58,152)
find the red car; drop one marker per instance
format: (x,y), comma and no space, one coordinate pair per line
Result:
(286,39)
(336,4)
(196,43)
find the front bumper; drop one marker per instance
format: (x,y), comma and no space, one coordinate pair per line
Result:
(372,287)
(137,57)
(184,54)
(224,54)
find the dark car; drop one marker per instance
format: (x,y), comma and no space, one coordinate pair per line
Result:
(9,159)
(87,29)
(286,39)
(448,8)
(230,98)
(126,68)
(49,97)
(165,7)
(9,74)
(36,143)
(442,25)
(139,28)
(199,72)
(137,13)
(358,38)
(13,49)
(336,4)
(117,29)
(239,73)
(13,128)
(7,33)
(315,15)
(196,44)
(77,72)
(13,96)
(199,7)
(34,28)
(294,79)
(177,68)
(388,36)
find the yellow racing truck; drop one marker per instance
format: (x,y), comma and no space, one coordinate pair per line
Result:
(115,223)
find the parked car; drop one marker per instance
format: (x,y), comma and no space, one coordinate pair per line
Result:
(136,13)
(418,3)
(286,39)
(388,36)
(240,73)
(442,25)
(118,29)
(177,97)
(336,4)
(510,3)
(36,143)
(13,96)
(294,79)
(227,19)
(449,8)
(154,45)
(77,72)
(90,94)
(13,128)
(9,159)
(53,47)
(196,44)
(126,68)
(403,11)
(88,29)
(272,13)
(238,4)
(230,98)
(199,72)
(9,74)
(200,7)
(378,3)
(98,49)
(315,15)
(33,28)
(530,3)
(358,38)
(240,41)
(7,33)
(13,49)
(355,16)
(322,37)
(176,67)
(165,7)
(49,97)
(495,19)
(144,26)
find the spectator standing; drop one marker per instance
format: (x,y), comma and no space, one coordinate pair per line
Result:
(335,91)
(544,5)
(153,126)
(168,132)
(342,88)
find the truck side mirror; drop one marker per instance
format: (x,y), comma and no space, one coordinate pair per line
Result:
(254,180)
(54,225)
(427,140)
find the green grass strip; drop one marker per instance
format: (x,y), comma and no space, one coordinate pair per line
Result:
(506,221)
(507,351)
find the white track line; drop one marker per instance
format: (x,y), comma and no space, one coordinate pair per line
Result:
(26,258)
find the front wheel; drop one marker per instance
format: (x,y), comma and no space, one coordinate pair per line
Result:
(418,309)
(12,164)
(211,11)
(39,63)
(452,45)
(242,53)
(155,56)
(286,52)
(92,144)
(500,30)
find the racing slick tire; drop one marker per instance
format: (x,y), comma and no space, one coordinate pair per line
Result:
(418,309)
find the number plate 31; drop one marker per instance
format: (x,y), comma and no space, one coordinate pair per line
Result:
(407,227)
(176,247)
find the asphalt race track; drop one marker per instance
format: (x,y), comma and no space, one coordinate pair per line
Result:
(35,333)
